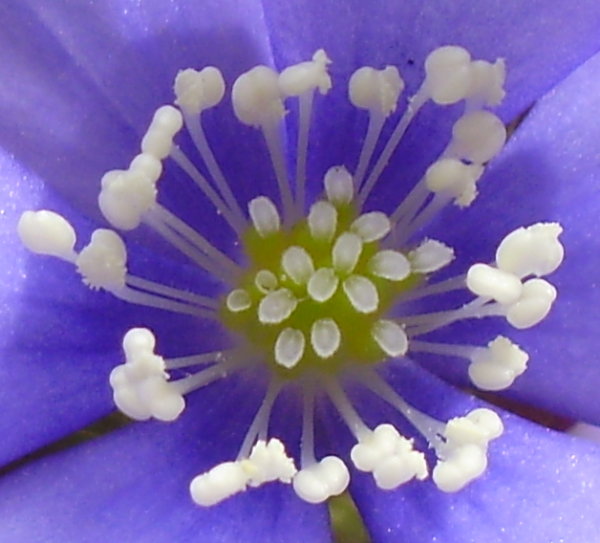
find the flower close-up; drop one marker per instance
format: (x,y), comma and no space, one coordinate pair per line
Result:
(261,255)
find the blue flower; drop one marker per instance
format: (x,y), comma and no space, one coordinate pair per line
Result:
(80,80)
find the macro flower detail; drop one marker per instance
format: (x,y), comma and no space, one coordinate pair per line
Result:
(317,291)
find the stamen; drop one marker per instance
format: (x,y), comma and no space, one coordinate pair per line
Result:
(376,91)
(352,419)
(266,281)
(490,282)
(158,140)
(477,136)
(47,233)
(257,102)
(338,186)
(158,288)
(297,264)
(371,226)
(264,215)
(301,80)
(238,300)
(430,256)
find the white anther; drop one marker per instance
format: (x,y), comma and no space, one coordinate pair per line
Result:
(497,366)
(256,97)
(346,252)
(339,186)
(147,165)
(390,264)
(305,76)
(297,264)
(276,306)
(103,263)
(325,337)
(264,215)
(453,177)
(390,457)
(490,282)
(47,233)
(534,304)
(376,90)
(478,427)
(323,284)
(140,386)
(125,196)
(218,484)
(238,300)
(328,477)
(478,136)
(322,220)
(362,293)
(265,281)
(391,337)
(196,90)
(534,250)
(371,226)
(487,81)
(460,468)
(448,74)
(268,462)
(430,256)
(289,347)
(158,140)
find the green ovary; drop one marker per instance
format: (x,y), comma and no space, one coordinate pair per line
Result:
(357,345)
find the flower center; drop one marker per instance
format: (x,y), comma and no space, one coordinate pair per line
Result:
(314,295)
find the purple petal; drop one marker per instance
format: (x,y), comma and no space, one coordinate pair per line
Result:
(83,79)
(59,339)
(548,172)
(540,485)
(132,485)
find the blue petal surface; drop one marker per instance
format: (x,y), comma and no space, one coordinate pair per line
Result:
(549,171)
(540,486)
(83,79)
(59,339)
(132,485)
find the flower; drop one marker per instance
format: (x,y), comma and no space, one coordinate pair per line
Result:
(115,487)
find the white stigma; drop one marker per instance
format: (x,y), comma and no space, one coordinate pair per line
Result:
(196,90)
(430,256)
(264,215)
(238,300)
(322,221)
(322,480)
(289,347)
(297,264)
(534,304)
(361,293)
(47,233)
(346,252)
(338,186)
(389,264)
(391,337)
(371,226)
(323,284)
(376,90)
(325,337)
(276,306)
